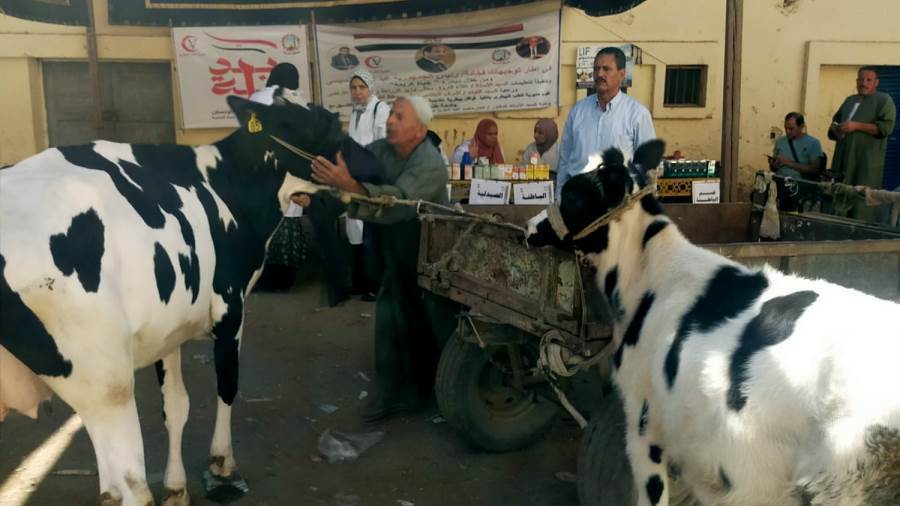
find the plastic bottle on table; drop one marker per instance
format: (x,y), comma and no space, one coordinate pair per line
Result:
(465,162)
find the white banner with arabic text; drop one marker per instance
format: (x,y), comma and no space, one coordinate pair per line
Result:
(214,62)
(500,67)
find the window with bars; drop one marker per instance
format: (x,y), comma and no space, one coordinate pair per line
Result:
(685,86)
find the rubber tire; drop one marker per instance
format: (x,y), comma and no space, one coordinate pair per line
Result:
(459,399)
(604,474)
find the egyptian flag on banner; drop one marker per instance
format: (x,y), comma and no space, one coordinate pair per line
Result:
(269,12)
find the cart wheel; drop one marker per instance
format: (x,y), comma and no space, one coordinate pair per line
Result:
(479,400)
(604,474)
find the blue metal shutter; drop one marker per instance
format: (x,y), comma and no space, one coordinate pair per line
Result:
(890,84)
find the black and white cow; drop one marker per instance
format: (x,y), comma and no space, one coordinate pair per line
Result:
(113,255)
(760,388)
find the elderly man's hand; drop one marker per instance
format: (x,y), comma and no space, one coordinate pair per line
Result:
(332,174)
(335,174)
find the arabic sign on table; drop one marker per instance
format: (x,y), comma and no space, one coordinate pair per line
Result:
(506,66)
(485,191)
(584,63)
(705,192)
(540,192)
(215,62)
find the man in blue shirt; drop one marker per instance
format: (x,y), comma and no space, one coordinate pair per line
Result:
(606,119)
(797,154)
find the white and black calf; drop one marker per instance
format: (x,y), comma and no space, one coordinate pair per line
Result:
(756,387)
(114,254)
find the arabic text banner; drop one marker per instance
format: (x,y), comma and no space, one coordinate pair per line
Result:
(505,66)
(214,62)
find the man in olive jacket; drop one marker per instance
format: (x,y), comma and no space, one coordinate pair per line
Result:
(411,325)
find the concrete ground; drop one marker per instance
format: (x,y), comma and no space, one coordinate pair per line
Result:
(296,358)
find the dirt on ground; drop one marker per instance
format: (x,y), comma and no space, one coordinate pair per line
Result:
(298,360)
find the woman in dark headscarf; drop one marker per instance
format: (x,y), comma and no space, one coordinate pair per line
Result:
(485,144)
(288,248)
(285,75)
(544,149)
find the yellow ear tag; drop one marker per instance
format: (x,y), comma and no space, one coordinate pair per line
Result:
(253,125)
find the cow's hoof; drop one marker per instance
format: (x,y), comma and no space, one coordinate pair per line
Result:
(106,499)
(176,497)
(224,489)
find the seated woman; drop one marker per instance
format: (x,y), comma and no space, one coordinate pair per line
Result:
(483,144)
(544,149)
(799,156)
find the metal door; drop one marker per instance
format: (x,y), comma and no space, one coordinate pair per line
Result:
(136,103)
(890,84)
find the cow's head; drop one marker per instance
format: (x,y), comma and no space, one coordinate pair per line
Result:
(311,128)
(588,196)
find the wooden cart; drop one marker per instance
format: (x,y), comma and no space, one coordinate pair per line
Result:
(490,384)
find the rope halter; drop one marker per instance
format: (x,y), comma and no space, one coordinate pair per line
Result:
(559,226)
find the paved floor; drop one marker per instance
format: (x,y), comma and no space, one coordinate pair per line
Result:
(296,358)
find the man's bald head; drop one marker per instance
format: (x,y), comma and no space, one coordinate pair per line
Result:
(421,106)
(408,122)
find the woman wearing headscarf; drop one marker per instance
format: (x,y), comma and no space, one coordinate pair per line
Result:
(368,117)
(544,149)
(484,143)
(357,268)
(284,75)
(288,249)
(368,123)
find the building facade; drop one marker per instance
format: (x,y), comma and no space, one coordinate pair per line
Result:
(795,55)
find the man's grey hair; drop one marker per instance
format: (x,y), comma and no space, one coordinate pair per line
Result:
(421,106)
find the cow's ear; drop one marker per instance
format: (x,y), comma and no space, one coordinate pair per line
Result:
(247,113)
(613,156)
(649,155)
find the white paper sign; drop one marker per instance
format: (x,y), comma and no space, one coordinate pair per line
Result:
(214,62)
(705,192)
(540,192)
(483,191)
(508,65)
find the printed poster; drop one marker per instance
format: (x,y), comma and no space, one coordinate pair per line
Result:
(503,66)
(214,62)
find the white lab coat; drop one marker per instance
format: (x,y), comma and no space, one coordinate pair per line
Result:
(372,124)
(369,126)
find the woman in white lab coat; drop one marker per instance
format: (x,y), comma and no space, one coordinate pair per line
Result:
(368,123)
(368,117)
(288,249)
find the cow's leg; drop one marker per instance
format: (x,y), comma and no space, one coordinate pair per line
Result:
(645,453)
(222,480)
(116,435)
(102,394)
(175,406)
(221,455)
